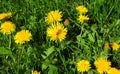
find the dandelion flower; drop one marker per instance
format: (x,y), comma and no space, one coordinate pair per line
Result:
(102,65)
(57,32)
(106,46)
(53,16)
(35,72)
(115,46)
(7,27)
(22,36)
(83,18)
(83,66)
(113,71)
(5,15)
(82,9)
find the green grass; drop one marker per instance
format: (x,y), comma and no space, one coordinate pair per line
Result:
(83,41)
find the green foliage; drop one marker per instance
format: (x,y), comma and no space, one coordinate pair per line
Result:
(83,41)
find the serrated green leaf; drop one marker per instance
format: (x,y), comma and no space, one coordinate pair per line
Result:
(78,38)
(45,64)
(5,51)
(85,33)
(48,52)
(91,38)
(53,70)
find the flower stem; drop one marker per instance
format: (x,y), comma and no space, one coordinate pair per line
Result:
(20,55)
(10,41)
(82,73)
(63,60)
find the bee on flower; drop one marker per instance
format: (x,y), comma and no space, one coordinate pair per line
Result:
(57,32)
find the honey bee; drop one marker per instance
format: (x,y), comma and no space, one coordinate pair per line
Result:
(58,32)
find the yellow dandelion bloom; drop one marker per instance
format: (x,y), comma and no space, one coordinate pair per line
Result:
(113,71)
(5,15)
(7,27)
(35,72)
(115,46)
(23,36)
(82,9)
(53,16)
(83,66)
(57,32)
(102,65)
(83,18)
(106,46)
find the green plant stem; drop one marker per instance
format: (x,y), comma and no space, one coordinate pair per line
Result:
(82,27)
(20,53)
(10,41)
(9,44)
(75,22)
(82,73)
(62,60)
(56,3)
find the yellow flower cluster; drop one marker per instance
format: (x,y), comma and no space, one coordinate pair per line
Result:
(56,30)
(102,66)
(23,36)
(114,46)
(35,72)
(7,27)
(83,66)
(82,11)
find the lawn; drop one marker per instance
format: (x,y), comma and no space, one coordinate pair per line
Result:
(59,37)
